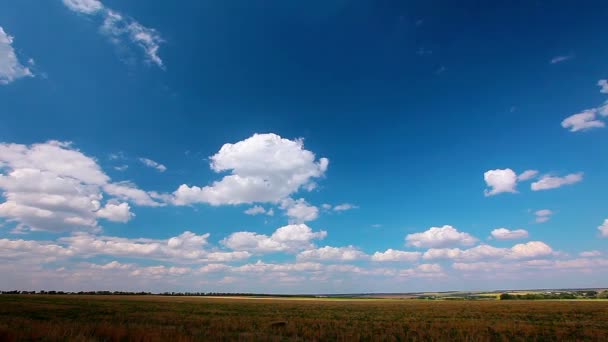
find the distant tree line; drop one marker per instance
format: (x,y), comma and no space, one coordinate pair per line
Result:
(127,293)
(587,294)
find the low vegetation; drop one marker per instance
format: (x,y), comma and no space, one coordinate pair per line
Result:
(182,318)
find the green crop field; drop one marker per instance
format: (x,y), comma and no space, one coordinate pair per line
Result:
(158,318)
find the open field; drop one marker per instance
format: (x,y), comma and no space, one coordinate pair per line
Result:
(158,318)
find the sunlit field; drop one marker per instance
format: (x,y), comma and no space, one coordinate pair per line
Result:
(157,318)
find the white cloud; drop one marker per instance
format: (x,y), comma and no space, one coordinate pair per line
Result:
(395,255)
(547,182)
(84,6)
(506,234)
(11,68)
(258,210)
(151,163)
(187,247)
(263,168)
(559,59)
(532,249)
(590,254)
(543,215)
(499,181)
(527,175)
(128,191)
(440,237)
(604,228)
(255,210)
(116,212)
(120,28)
(583,121)
(348,253)
(345,206)
(603,84)
(27,252)
(299,211)
(290,238)
(475,253)
(53,186)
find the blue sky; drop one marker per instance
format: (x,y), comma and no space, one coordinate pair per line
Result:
(325,146)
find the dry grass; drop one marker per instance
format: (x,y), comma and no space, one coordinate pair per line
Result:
(151,318)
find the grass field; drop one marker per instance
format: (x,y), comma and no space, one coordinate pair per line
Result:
(157,318)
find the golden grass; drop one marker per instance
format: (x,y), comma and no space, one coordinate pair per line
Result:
(157,318)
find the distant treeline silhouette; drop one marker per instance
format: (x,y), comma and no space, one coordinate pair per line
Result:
(556,295)
(142,293)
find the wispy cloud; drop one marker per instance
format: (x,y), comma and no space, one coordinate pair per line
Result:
(155,165)
(120,28)
(560,59)
(589,118)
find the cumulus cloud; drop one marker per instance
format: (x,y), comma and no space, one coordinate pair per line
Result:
(499,181)
(435,237)
(116,212)
(299,211)
(258,210)
(604,228)
(263,168)
(532,249)
(152,164)
(505,180)
(543,215)
(290,238)
(395,255)
(348,253)
(187,247)
(506,234)
(547,182)
(32,252)
(120,28)
(53,186)
(11,68)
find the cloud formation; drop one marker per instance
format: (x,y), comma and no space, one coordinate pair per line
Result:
(290,238)
(11,68)
(328,253)
(395,255)
(120,28)
(505,180)
(506,234)
(436,237)
(589,118)
(264,168)
(152,164)
(548,182)
(53,186)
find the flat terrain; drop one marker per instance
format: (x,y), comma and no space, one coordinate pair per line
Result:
(157,318)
